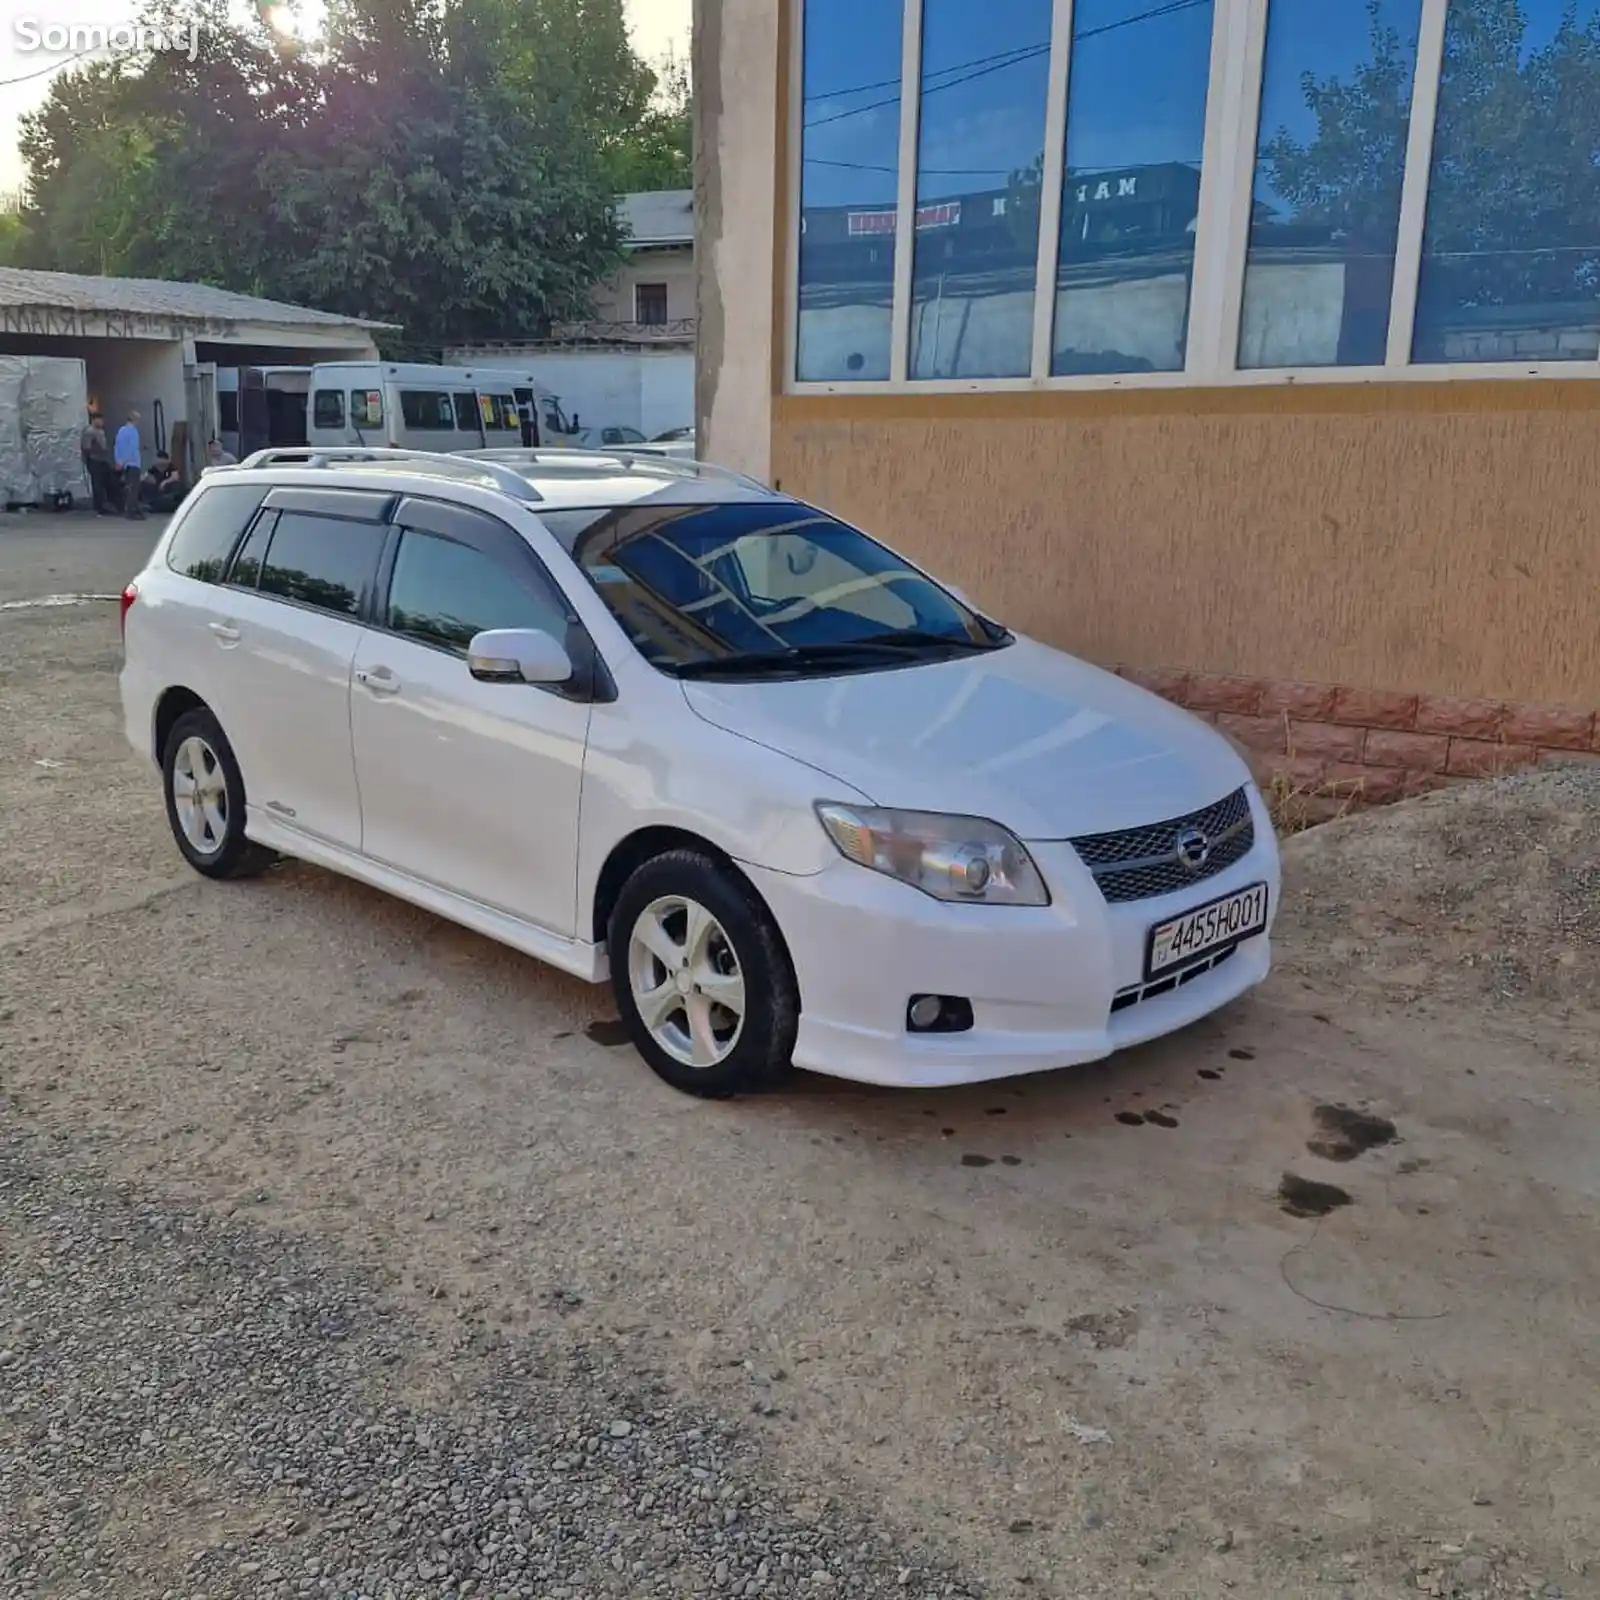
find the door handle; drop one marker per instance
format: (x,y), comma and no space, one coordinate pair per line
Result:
(225,631)
(380,680)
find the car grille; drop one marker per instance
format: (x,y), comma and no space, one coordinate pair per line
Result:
(1140,863)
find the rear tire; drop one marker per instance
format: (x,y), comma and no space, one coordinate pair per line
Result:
(702,978)
(205,800)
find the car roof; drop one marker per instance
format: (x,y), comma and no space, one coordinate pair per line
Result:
(542,479)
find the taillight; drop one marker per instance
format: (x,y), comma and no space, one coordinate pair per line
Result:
(129,595)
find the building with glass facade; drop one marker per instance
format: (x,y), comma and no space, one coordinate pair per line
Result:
(1247,345)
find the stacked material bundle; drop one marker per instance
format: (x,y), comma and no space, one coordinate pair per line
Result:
(43,411)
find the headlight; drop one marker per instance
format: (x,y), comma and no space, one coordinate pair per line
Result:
(951,858)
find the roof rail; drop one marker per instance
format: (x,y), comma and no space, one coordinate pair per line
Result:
(561,455)
(459,464)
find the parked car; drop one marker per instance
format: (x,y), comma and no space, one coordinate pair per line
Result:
(798,800)
(679,442)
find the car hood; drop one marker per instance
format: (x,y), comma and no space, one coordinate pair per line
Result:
(1025,736)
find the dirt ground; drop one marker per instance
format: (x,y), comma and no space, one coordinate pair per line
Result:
(1302,1302)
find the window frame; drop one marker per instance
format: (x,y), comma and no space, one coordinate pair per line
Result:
(638,305)
(1222,228)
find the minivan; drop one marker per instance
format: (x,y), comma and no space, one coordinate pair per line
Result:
(415,406)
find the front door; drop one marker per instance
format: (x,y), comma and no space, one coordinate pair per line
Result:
(472,787)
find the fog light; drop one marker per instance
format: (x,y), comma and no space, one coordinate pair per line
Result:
(938,1013)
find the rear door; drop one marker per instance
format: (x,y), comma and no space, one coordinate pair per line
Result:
(284,637)
(472,787)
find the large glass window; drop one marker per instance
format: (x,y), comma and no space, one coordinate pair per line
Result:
(1511,246)
(980,159)
(1136,118)
(849,183)
(1330,162)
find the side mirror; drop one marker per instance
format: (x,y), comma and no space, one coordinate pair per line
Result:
(518,655)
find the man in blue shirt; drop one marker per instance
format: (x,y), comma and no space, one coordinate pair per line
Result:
(129,461)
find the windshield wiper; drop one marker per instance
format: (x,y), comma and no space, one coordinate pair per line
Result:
(845,653)
(921,638)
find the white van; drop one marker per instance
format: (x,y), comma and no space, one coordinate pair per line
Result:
(414,406)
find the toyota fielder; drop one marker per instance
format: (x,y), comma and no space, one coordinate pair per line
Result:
(798,801)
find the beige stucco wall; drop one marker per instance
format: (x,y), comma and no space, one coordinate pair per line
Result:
(1443,539)
(735,62)
(614,300)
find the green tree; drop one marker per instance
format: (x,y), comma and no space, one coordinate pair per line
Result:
(445,164)
(658,153)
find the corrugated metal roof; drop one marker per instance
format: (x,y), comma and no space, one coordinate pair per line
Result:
(666,217)
(154,297)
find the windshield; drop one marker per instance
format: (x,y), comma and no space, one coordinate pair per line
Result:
(764,585)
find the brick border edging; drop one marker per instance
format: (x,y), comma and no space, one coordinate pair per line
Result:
(1345,746)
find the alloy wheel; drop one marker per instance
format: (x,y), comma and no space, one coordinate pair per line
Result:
(686,981)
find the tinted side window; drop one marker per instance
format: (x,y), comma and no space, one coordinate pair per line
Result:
(246,573)
(443,592)
(322,561)
(466,412)
(426,408)
(327,409)
(209,528)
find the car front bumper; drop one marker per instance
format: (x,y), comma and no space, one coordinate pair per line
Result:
(1044,982)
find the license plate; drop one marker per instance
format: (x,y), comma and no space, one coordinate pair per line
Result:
(1176,943)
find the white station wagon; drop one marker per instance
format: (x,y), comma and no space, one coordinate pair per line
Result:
(649,721)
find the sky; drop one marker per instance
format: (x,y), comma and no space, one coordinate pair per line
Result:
(658,25)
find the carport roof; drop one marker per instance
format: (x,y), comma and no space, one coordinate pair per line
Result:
(154,297)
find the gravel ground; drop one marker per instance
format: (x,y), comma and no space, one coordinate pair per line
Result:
(196,1407)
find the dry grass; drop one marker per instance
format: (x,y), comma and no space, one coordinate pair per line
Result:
(1294,807)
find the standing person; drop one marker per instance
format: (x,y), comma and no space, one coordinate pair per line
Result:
(129,461)
(97,463)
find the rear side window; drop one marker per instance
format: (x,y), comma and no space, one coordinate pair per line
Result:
(324,562)
(246,572)
(327,409)
(210,527)
(427,408)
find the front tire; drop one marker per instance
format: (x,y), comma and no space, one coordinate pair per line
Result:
(205,799)
(702,978)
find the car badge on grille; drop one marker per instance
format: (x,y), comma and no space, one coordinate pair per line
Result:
(1193,848)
